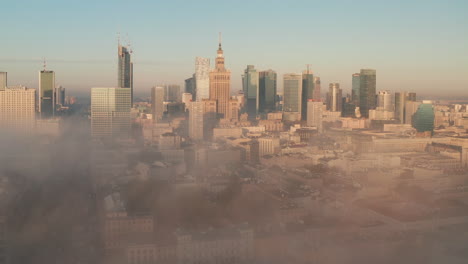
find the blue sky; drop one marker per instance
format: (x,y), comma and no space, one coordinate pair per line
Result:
(414,45)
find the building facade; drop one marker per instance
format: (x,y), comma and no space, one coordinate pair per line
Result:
(356,86)
(384,101)
(267,91)
(3,80)
(308,86)
(334,98)
(202,79)
(314,115)
(110,112)
(18,109)
(196,116)
(292,96)
(125,69)
(220,85)
(367,91)
(157,103)
(250,85)
(46,94)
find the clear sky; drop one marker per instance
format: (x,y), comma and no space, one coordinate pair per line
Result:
(417,45)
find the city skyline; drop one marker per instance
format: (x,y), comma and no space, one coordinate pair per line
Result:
(393,47)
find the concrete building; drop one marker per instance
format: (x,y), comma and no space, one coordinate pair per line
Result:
(125,70)
(367,90)
(292,96)
(269,146)
(196,116)
(334,98)
(384,101)
(317,88)
(202,79)
(3,80)
(220,85)
(400,105)
(314,114)
(250,86)
(46,94)
(157,103)
(410,109)
(110,112)
(18,109)
(267,91)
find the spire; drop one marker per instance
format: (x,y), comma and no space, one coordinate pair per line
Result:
(220,41)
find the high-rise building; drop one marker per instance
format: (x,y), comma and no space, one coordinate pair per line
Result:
(46,94)
(233,110)
(308,86)
(314,115)
(202,79)
(335,98)
(110,112)
(356,87)
(250,85)
(423,119)
(209,118)
(317,88)
(60,96)
(384,101)
(267,91)
(190,86)
(157,103)
(3,80)
(367,90)
(400,103)
(172,93)
(292,96)
(196,112)
(125,69)
(18,109)
(410,109)
(220,85)
(186,99)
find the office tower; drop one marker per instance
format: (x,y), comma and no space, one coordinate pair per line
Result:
(384,101)
(125,69)
(110,112)
(317,88)
(423,119)
(3,80)
(367,89)
(292,96)
(46,94)
(267,91)
(186,99)
(157,103)
(18,108)
(220,85)
(172,93)
(308,86)
(202,78)
(314,115)
(60,96)
(196,112)
(356,87)
(209,118)
(190,86)
(334,98)
(410,109)
(400,103)
(250,83)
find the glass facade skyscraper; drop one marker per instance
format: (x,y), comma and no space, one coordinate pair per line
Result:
(356,86)
(308,87)
(46,94)
(423,119)
(125,70)
(292,96)
(250,84)
(202,79)
(367,91)
(267,91)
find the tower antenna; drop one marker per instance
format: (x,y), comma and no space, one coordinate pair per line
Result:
(44,63)
(308,68)
(220,39)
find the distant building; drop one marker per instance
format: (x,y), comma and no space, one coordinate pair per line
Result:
(269,146)
(292,96)
(157,103)
(314,114)
(125,70)
(317,88)
(423,119)
(367,90)
(356,86)
(384,101)
(202,79)
(110,112)
(3,80)
(186,99)
(267,91)
(46,94)
(250,85)
(196,116)
(190,86)
(18,109)
(220,85)
(169,141)
(60,96)
(335,98)
(172,93)
(400,105)
(308,87)
(410,109)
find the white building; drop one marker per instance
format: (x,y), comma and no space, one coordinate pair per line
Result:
(18,108)
(196,111)
(314,114)
(384,101)
(202,78)
(157,103)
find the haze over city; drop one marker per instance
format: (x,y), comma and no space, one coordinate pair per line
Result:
(415,45)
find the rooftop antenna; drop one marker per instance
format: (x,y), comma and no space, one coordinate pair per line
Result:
(220,39)
(44,63)
(308,68)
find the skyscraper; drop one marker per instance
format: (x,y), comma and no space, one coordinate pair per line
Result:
(46,94)
(220,84)
(172,93)
(292,96)
(110,112)
(384,101)
(267,91)
(317,88)
(250,83)
(60,96)
(196,112)
(356,87)
(3,80)
(308,86)
(202,78)
(314,115)
(125,69)
(335,98)
(367,90)
(190,86)
(157,103)
(400,105)
(410,109)
(18,109)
